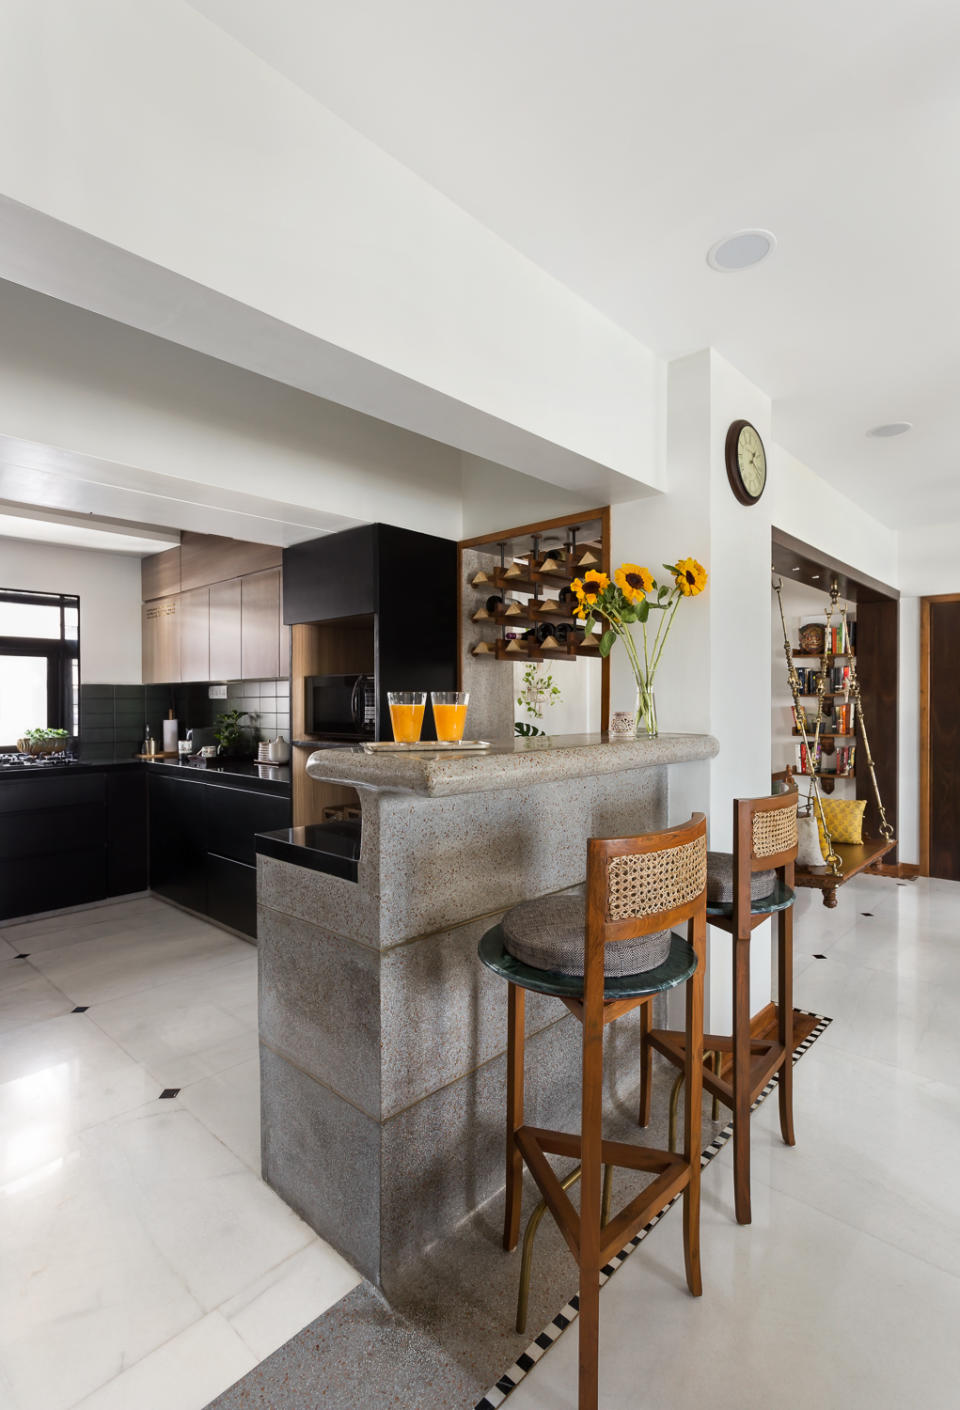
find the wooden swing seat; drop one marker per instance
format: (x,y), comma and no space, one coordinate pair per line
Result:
(854,858)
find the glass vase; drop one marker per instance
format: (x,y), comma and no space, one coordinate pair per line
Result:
(646,713)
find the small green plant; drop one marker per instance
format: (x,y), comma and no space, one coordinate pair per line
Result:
(525,729)
(40,736)
(228,730)
(537,691)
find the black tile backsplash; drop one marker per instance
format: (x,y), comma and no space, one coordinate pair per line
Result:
(112,717)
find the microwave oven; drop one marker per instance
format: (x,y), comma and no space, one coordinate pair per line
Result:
(341,707)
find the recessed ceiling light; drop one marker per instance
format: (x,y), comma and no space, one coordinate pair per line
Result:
(740,250)
(890,428)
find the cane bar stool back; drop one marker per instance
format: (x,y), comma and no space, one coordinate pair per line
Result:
(744,888)
(638,889)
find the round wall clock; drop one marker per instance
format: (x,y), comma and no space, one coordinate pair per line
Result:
(746,462)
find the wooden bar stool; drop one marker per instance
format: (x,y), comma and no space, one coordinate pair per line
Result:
(744,888)
(602,957)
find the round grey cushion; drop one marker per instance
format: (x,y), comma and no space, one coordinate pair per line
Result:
(549,934)
(720,880)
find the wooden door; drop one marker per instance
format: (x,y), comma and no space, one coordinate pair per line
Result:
(260,625)
(225,662)
(161,641)
(195,635)
(943,752)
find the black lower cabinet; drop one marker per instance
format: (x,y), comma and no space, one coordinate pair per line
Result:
(202,852)
(232,894)
(178,842)
(53,843)
(127,859)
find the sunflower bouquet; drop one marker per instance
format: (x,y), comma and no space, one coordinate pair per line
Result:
(630,598)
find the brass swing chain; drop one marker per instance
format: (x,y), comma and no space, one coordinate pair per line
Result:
(832,860)
(854,690)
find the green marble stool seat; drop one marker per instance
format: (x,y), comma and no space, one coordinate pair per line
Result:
(676,969)
(780,898)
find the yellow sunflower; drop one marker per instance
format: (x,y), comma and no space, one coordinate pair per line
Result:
(690,576)
(589,588)
(633,581)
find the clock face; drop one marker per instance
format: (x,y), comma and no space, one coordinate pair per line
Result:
(746,462)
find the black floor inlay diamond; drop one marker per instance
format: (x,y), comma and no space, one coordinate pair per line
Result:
(21,957)
(819,957)
(866,913)
(169,1092)
(81,1008)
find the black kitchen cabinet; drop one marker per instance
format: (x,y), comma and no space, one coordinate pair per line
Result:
(178,842)
(202,852)
(232,894)
(69,839)
(404,582)
(235,816)
(127,860)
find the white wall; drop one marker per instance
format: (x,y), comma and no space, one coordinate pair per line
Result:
(495,497)
(232,212)
(108,585)
(717,665)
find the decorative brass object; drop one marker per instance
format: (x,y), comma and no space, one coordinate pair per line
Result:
(533,1224)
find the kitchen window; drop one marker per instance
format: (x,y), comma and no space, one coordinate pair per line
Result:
(39,663)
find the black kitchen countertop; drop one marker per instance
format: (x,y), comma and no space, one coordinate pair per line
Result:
(332,847)
(225,773)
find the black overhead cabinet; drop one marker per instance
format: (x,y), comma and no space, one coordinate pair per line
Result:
(395,586)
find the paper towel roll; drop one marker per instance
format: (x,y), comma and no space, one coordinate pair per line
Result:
(170,730)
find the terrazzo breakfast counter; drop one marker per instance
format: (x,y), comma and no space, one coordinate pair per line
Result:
(382,1038)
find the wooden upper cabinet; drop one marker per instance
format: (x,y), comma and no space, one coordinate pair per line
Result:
(195,635)
(260,625)
(160,574)
(208,558)
(161,640)
(225,664)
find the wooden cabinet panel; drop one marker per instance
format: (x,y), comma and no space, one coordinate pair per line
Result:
(195,635)
(260,625)
(160,574)
(161,640)
(210,558)
(225,631)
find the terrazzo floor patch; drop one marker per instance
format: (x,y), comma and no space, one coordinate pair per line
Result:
(449,1336)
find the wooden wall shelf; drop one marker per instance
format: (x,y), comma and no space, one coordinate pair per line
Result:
(530,651)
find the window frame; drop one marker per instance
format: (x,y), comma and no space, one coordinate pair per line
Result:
(59,654)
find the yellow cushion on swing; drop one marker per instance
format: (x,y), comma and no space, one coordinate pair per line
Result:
(844,819)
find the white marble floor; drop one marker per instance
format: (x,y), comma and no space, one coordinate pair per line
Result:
(845,1291)
(143,1263)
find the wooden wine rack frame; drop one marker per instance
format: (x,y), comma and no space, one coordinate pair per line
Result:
(542,586)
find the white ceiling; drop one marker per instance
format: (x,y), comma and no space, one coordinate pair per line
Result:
(613,143)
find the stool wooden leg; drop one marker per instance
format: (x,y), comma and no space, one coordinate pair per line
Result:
(646,1065)
(785,1015)
(591,1166)
(692,1109)
(516,1005)
(741,1079)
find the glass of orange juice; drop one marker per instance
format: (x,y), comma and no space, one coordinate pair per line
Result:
(450,714)
(407,709)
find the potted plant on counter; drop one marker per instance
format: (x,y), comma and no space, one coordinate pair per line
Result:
(235,741)
(44,741)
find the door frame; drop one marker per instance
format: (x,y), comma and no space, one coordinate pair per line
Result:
(924,703)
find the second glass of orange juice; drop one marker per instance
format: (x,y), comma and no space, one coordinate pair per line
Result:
(450,714)
(407,709)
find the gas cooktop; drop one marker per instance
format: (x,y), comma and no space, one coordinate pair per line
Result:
(36,761)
